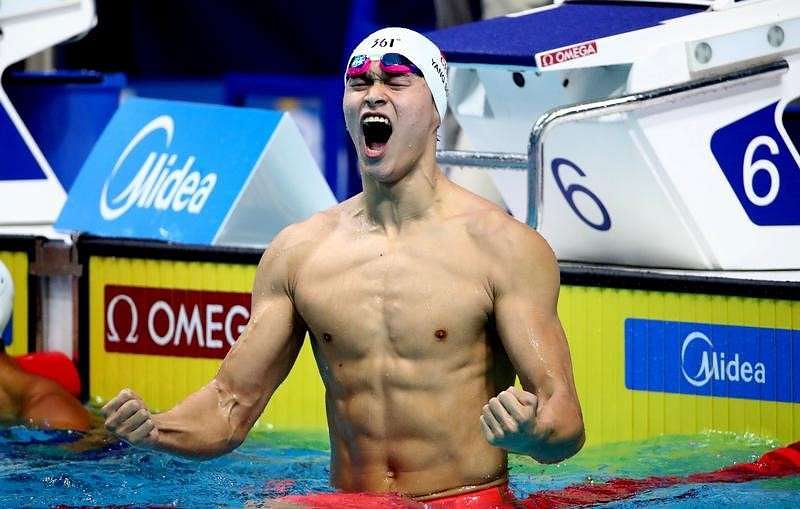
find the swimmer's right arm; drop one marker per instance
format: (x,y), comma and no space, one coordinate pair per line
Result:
(48,405)
(216,419)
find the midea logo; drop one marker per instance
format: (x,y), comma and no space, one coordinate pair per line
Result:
(714,366)
(158,184)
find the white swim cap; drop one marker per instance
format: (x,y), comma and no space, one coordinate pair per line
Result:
(420,50)
(6,296)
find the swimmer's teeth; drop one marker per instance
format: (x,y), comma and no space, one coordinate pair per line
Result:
(375,118)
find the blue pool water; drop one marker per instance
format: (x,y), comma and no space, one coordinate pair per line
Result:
(38,469)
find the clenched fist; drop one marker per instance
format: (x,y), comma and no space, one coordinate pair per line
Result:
(129,419)
(509,420)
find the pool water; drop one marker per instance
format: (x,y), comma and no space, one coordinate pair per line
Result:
(39,469)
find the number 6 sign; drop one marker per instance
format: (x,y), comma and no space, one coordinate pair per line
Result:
(571,190)
(760,168)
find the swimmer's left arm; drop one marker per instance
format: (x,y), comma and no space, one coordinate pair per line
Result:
(544,420)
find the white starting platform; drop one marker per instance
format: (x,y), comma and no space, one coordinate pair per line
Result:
(31,195)
(650,133)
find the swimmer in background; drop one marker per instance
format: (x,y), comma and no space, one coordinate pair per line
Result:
(422,302)
(29,399)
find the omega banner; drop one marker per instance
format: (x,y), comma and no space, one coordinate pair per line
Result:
(168,322)
(197,174)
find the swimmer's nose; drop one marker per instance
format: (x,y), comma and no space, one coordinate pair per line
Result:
(375,97)
(376,102)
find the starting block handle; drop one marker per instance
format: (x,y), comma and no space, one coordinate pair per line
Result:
(493,160)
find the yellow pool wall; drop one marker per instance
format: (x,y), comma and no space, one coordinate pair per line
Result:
(17,263)
(593,318)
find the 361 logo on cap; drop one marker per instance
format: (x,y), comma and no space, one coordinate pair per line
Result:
(382,42)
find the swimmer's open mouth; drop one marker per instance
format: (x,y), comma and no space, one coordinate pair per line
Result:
(377,129)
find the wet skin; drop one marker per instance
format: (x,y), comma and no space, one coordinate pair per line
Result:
(37,401)
(422,301)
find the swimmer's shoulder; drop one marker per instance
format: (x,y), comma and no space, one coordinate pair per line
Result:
(291,246)
(298,235)
(488,223)
(506,240)
(318,226)
(47,404)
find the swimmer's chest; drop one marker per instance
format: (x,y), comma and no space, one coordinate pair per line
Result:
(411,297)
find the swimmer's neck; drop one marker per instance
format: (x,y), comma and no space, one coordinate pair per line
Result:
(413,198)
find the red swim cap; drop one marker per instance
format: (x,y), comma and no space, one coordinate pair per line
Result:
(55,366)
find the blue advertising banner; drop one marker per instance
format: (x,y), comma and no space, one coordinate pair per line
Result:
(712,360)
(168,170)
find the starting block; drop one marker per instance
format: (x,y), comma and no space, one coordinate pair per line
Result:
(659,137)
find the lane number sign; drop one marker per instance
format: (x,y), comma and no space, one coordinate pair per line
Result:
(760,168)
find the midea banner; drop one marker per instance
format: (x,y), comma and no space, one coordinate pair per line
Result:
(197,174)
(730,361)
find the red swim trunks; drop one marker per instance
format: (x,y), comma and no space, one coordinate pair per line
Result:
(496,497)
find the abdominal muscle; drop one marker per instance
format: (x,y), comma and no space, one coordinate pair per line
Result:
(412,426)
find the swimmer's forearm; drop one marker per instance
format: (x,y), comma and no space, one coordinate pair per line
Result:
(209,423)
(559,432)
(558,447)
(176,438)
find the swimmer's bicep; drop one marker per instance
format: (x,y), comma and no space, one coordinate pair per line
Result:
(266,350)
(525,309)
(535,343)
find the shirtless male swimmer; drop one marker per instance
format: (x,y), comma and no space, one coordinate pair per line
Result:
(422,302)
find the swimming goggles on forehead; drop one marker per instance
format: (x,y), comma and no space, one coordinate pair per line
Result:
(393,63)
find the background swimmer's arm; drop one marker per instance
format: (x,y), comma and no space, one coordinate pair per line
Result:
(544,421)
(216,419)
(47,405)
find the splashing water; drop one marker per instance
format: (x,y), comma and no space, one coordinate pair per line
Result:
(41,469)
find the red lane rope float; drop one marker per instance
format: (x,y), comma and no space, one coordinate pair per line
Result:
(53,365)
(777,463)
(780,462)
